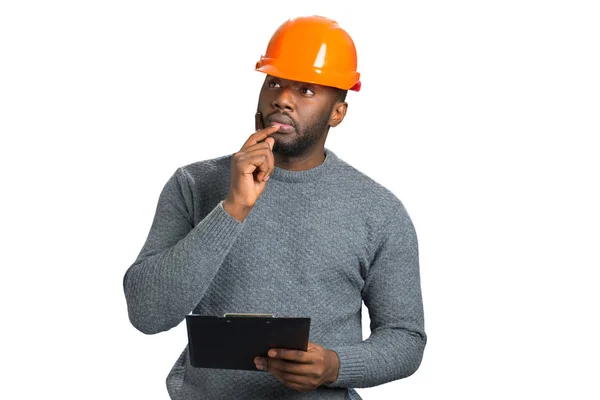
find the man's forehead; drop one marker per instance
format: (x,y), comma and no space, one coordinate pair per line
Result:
(293,82)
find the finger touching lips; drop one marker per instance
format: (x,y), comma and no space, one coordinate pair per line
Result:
(283,128)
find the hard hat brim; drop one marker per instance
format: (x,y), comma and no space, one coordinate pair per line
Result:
(316,76)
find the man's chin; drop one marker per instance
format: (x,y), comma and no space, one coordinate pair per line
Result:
(286,150)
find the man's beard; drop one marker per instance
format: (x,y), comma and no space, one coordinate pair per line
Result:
(305,138)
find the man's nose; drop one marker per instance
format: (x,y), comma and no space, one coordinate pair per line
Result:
(285,100)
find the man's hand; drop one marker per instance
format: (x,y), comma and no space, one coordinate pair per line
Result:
(301,370)
(250,169)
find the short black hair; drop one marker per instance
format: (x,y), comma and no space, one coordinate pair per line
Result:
(341,95)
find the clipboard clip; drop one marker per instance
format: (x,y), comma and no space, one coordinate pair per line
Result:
(247,315)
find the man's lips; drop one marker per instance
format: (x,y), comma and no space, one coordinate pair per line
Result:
(285,123)
(283,128)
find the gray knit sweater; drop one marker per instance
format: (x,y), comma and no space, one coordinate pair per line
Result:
(316,244)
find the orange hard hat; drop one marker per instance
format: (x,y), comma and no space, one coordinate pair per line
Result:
(314,50)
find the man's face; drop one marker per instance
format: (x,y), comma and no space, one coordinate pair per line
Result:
(303,109)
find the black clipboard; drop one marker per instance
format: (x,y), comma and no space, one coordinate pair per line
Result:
(233,341)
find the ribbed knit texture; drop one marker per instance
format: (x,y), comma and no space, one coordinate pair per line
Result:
(316,244)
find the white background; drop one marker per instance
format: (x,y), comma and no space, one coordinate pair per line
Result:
(480,116)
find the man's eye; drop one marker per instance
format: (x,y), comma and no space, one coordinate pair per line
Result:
(307,91)
(273,84)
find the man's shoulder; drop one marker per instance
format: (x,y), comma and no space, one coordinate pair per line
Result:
(207,168)
(371,199)
(209,164)
(381,208)
(368,186)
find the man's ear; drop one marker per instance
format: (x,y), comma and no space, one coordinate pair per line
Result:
(338,113)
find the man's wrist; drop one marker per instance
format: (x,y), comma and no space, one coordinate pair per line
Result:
(334,369)
(237,212)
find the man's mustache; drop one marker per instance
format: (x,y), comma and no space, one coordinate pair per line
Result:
(282,118)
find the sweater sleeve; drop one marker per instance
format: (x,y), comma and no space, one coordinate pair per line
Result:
(178,260)
(392,294)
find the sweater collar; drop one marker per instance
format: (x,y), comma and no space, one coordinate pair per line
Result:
(286,175)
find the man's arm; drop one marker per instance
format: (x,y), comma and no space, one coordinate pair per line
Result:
(392,293)
(178,261)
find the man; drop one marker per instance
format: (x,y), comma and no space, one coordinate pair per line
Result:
(286,227)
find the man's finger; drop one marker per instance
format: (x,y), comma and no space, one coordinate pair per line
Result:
(288,378)
(266,167)
(289,367)
(260,135)
(290,355)
(254,163)
(299,383)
